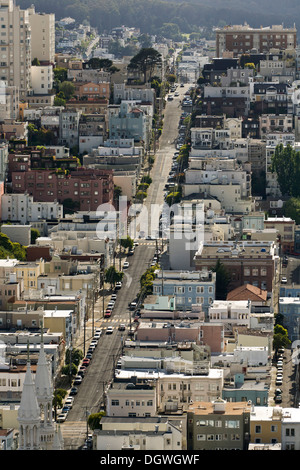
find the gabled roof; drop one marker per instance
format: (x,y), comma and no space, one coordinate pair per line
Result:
(248,292)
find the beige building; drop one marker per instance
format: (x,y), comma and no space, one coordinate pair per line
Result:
(218,425)
(42,35)
(29,272)
(15,47)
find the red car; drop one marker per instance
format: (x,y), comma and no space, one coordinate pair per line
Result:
(107,314)
(85,362)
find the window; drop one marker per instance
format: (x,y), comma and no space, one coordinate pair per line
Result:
(258,429)
(115,403)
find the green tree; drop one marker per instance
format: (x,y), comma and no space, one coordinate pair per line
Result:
(94,420)
(111,276)
(67,88)
(145,61)
(222,280)
(34,234)
(286,164)
(291,208)
(126,243)
(58,396)
(280,338)
(75,354)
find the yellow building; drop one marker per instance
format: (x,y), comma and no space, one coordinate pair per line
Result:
(29,272)
(265,424)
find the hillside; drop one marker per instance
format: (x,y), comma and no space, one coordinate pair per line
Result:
(150,15)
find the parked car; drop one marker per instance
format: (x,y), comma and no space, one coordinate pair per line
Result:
(73,391)
(85,362)
(61,418)
(118,285)
(97,335)
(278,399)
(65,409)
(278,381)
(107,314)
(283,280)
(113,297)
(89,356)
(77,380)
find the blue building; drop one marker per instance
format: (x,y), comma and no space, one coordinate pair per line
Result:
(128,121)
(188,287)
(289,307)
(250,390)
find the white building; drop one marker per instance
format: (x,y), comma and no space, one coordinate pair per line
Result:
(157,433)
(22,208)
(42,36)
(15,46)
(231,313)
(42,79)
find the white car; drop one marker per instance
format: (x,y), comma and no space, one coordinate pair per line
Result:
(69,402)
(61,418)
(283,280)
(126,264)
(109,330)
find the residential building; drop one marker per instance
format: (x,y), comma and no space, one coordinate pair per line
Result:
(231,313)
(16,47)
(131,400)
(23,209)
(128,121)
(42,36)
(285,227)
(141,434)
(289,307)
(265,425)
(241,39)
(42,79)
(250,262)
(188,287)
(218,425)
(91,90)
(87,188)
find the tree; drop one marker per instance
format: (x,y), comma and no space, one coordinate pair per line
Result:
(111,276)
(94,420)
(145,61)
(126,243)
(286,164)
(222,280)
(67,88)
(58,396)
(291,208)
(34,234)
(280,338)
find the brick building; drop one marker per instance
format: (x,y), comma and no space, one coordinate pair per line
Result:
(247,262)
(87,188)
(240,39)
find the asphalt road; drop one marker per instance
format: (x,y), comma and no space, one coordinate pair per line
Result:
(101,369)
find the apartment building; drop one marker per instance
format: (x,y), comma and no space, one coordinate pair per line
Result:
(131,400)
(188,287)
(241,39)
(22,208)
(285,227)
(251,262)
(15,47)
(218,425)
(140,434)
(42,27)
(87,188)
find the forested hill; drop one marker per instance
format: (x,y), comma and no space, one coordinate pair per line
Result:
(150,15)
